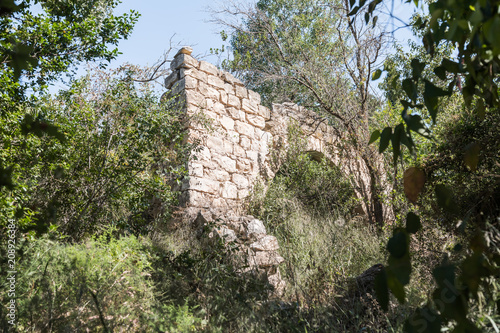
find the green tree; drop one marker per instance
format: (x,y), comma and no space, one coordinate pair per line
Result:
(309,53)
(37,48)
(473,72)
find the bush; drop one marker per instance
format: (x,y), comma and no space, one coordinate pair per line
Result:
(103,284)
(124,149)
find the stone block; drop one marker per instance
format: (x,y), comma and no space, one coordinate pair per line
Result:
(184,61)
(229,88)
(268,259)
(244,128)
(196,169)
(229,191)
(266,243)
(242,194)
(254,96)
(215,144)
(223,97)
(227,164)
(243,165)
(219,175)
(233,136)
(249,107)
(171,79)
(229,78)
(236,113)
(216,81)
(225,234)
(208,68)
(256,120)
(245,142)
(240,181)
(227,123)
(195,73)
(239,151)
(255,229)
(241,92)
(233,101)
(195,98)
(201,185)
(208,91)
(218,108)
(264,112)
(198,199)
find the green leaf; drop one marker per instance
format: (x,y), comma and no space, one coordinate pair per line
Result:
(410,89)
(398,244)
(440,72)
(381,289)
(416,124)
(471,156)
(374,137)
(401,268)
(417,68)
(385,137)
(413,183)
(424,320)
(450,66)
(413,224)
(431,103)
(445,200)
(396,141)
(353,11)
(396,287)
(376,74)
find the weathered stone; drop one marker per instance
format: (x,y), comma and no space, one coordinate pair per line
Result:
(185,50)
(256,229)
(209,91)
(239,151)
(215,81)
(196,169)
(241,92)
(184,61)
(195,98)
(171,79)
(245,142)
(229,88)
(227,123)
(201,185)
(208,68)
(227,164)
(215,143)
(264,112)
(268,258)
(254,97)
(240,181)
(266,243)
(193,72)
(229,190)
(249,106)
(244,128)
(229,78)
(233,101)
(223,97)
(219,175)
(256,121)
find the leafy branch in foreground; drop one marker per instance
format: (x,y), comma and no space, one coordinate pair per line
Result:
(472,27)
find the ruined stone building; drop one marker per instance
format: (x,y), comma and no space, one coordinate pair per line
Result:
(235,152)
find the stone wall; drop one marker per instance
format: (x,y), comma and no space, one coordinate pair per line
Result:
(236,134)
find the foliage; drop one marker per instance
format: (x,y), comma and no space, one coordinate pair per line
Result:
(461,282)
(124,151)
(37,48)
(102,284)
(311,53)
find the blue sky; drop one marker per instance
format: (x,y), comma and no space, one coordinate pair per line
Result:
(185,20)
